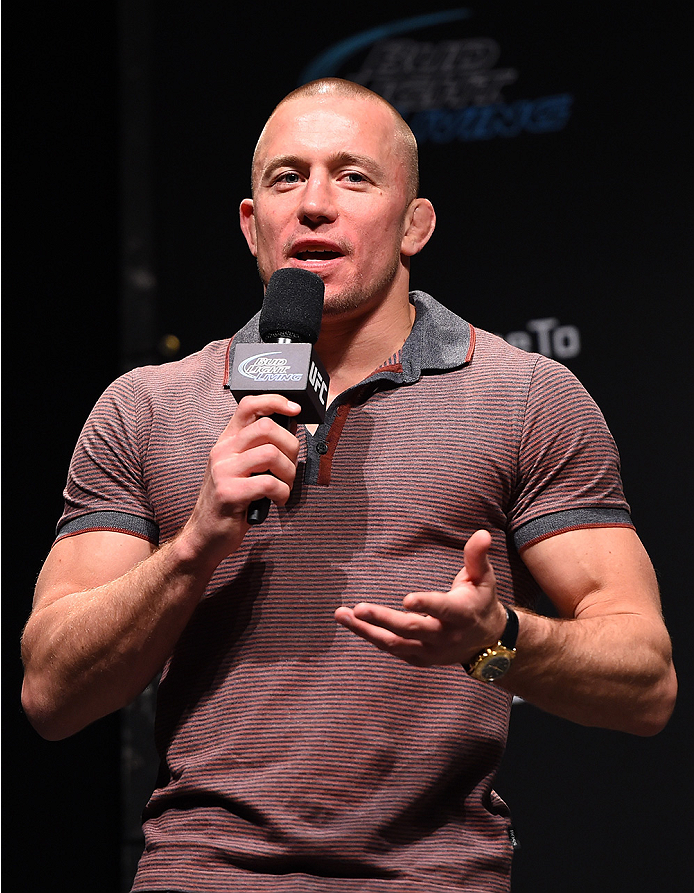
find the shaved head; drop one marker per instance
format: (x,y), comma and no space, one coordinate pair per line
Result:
(335,192)
(326,87)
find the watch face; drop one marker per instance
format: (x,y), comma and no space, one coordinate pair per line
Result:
(495,667)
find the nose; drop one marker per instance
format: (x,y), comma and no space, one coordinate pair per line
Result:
(317,200)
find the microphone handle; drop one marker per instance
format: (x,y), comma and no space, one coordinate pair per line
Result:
(258,510)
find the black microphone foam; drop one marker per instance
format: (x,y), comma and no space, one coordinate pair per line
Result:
(293,306)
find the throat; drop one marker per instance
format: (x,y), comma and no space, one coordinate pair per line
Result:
(349,358)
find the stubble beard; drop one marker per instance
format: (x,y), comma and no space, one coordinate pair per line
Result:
(356,295)
(360,294)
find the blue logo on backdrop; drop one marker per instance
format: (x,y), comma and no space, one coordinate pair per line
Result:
(448,90)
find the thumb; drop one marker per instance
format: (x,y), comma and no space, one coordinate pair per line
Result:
(476,555)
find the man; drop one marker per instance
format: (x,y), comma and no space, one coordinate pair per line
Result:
(454,477)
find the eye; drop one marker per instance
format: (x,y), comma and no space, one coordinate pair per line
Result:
(354,177)
(285,180)
(288,178)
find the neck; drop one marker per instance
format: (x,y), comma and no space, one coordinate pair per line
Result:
(352,347)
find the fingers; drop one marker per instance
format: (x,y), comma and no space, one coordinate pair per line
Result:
(254,457)
(399,634)
(405,624)
(262,448)
(241,478)
(255,444)
(253,408)
(421,640)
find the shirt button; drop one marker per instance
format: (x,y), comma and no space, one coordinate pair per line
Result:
(321,447)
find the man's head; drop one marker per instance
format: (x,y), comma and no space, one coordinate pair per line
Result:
(338,88)
(335,191)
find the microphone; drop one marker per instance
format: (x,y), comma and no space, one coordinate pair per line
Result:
(290,320)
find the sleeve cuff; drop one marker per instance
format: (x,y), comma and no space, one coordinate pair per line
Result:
(118,522)
(572,519)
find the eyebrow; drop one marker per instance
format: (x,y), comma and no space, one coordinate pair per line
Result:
(337,159)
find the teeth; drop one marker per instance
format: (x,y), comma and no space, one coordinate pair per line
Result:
(317,254)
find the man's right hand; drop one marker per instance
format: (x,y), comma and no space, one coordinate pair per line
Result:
(253,458)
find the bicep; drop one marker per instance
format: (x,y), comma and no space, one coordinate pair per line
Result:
(595,571)
(87,560)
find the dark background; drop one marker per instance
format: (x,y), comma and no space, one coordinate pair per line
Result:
(127,153)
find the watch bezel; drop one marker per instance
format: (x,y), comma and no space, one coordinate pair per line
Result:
(493,663)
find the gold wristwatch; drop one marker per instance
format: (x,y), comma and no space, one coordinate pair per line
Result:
(495,662)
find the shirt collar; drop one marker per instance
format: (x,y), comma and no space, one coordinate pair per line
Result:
(439,340)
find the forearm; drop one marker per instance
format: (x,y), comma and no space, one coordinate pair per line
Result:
(90,652)
(107,613)
(609,666)
(611,671)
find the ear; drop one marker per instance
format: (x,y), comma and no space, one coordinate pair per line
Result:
(420,220)
(247,221)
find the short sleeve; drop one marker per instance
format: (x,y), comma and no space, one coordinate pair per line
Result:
(568,464)
(105,489)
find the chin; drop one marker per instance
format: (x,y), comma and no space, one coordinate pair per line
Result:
(357,297)
(337,305)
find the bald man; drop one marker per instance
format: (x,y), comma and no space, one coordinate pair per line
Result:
(337,682)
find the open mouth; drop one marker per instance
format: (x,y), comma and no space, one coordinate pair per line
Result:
(317,254)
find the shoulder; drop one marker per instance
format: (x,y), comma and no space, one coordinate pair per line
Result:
(540,377)
(199,373)
(208,365)
(491,349)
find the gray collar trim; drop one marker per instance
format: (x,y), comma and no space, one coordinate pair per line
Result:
(439,340)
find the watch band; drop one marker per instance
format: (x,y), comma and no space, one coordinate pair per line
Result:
(495,661)
(510,633)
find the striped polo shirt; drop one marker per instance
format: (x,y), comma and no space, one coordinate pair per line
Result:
(296,757)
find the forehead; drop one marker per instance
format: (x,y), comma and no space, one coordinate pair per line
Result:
(323,126)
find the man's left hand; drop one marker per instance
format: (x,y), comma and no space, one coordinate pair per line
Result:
(437,628)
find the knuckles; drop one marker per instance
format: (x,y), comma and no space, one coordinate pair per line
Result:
(265,426)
